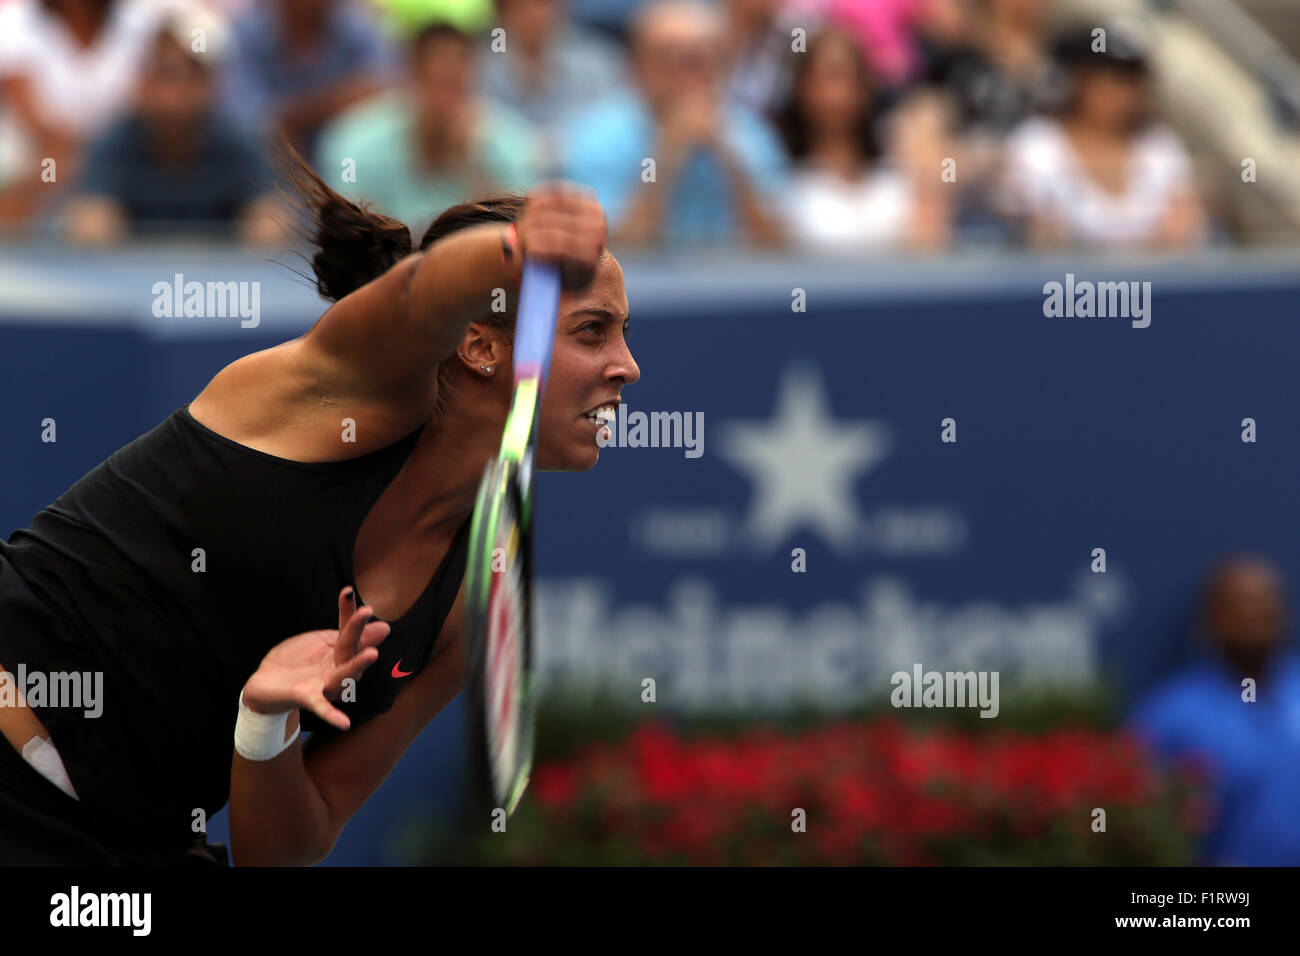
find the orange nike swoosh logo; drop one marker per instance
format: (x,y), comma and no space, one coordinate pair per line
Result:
(400,673)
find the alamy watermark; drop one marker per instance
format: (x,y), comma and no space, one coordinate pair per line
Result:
(79,690)
(946,689)
(76,909)
(1103,300)
(656,430)
(208,300)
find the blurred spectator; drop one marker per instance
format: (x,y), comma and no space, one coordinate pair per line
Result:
(299,63)
(718,169)
(1104,174)
(885,29)
(549,66)
(757,44)
(66,69)
(417,150)
(176,163)
(1252,748)
(993,58)
(989,61)
(845,194)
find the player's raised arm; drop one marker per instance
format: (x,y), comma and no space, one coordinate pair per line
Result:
(387,337)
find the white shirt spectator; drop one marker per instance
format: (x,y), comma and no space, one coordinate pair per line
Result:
(80,89)
(828,213)
(1046,178)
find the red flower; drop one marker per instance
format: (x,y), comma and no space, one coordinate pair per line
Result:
(555,784)
(871,792)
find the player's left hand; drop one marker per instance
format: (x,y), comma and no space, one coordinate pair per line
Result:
(307,671)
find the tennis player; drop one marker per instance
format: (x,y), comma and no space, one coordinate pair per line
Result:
(309,489)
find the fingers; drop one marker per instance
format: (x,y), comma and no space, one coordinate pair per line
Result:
(352,669)
(355,634)
(563,223)
(333,687)
(347,604)
(561,194)
(355,649)
(327,712)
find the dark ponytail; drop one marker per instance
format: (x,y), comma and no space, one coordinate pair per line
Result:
(355,245)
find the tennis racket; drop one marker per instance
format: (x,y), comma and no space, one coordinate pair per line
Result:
(501,653)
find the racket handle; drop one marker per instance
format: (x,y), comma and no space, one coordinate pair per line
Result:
(539,301)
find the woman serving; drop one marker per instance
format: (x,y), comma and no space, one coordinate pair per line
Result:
(307,489)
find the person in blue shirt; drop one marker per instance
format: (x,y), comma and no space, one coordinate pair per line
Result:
(718,169)
(1249,734)
(299,63)
(176,163)
(547,67)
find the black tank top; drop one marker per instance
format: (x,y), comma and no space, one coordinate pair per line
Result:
(171,569)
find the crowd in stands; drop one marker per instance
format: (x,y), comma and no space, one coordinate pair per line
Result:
(834,127)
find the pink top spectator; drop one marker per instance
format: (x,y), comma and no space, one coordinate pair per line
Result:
(884,27)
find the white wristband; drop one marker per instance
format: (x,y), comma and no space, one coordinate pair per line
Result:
(261,736)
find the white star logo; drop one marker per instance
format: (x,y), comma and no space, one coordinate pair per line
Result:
(803,464)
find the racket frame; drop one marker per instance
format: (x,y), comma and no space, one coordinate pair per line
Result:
(509,478)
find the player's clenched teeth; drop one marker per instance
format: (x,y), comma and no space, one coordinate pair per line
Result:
(600,419)
(603,415)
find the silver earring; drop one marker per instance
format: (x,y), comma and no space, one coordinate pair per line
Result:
(486,369)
